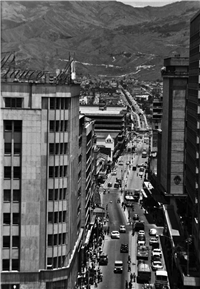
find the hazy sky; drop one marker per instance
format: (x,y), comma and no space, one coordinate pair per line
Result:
(142,3)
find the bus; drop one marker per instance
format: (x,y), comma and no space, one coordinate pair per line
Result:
(144,272)
(129,199)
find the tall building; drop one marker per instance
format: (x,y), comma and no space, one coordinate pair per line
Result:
(156,120)
(43,206)
(171,160)
(192,139)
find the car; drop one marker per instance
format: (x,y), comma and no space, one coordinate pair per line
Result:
(118,267)
(153,240)
(156,265)
(141,169)
(122,229)
(141,242)
(127,162)
(140,174)
(135,217)
(152,232)
(140,165)
(103,259)
(141,232)
(156,252)
(113,173)
(109,185)
(141,238)
(115,235)
(124,248)
(116,185)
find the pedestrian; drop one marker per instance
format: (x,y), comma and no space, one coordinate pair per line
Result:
(131,276)
(130,285)
(129,268)
(126,284)
(108,230)
(134,277)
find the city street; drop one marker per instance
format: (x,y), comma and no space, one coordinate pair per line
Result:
(118,216)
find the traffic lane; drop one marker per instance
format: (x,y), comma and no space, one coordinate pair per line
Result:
(112,246)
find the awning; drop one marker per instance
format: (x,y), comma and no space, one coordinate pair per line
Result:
(171,220)
(143,193)
(87,239)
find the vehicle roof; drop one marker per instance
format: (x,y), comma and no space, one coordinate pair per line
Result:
(161,273)
(118,262)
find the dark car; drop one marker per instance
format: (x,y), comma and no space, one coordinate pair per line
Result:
(103,259)
(109,185)
(116,185)
(135,217)
(124,248)
(139,225)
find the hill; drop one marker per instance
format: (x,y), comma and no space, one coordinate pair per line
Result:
(108,38)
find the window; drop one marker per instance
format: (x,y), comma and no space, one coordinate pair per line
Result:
(64,193)
(7,172)
(17,126)
(55,240)
(60,197)
(15,241)
(17,173)
(17,148)
(6,218)
(50,240)
(6,264)
(65,171)
(51,172)
(60,239)
(8,125)
(56,172)
(15,218)
(7,195)
(66,125)
(50,195)
(60,217)
(52,125)
(55,217)
(64,238)
(50,217)
(52,103)
(64,216)
(65,148)
(51,148)
(13,102)
(56,195)
(16,196)
(6,241)
(7,148)
(15,264)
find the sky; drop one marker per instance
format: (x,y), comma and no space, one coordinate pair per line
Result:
(143,3)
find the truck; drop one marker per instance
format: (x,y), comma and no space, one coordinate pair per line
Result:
(161,279)
(144,273)
(144,154)
(142,252)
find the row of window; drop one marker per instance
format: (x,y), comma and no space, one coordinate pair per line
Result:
(55,103)
(16,150)
(8,174)
(57,217)
(13,125)
(9,286)
(15,194)
(58,239)
(11,102)
(7,241)
(56,172)
(57,194)
(58,125)
(58,148)
(7,218)
(56,262)
(14,263)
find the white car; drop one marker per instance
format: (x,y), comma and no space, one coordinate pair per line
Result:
(157,265)
(122,229)
(152,232)
(141,232)
(156,252)
(113,173)
(115,235)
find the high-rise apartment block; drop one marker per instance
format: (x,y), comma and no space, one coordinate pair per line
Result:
(192,138)
(171,154)
(45,184)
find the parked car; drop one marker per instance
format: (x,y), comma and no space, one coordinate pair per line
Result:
(141,232)
(122,229)
(116,185)
(156,252)
(154,242)
(152,232)
(103,259)
(115,235)
(109,185)
(118,267)
(113,173)
(157,265)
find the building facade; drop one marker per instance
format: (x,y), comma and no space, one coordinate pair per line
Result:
(43,203)
(175,80)
(192,139)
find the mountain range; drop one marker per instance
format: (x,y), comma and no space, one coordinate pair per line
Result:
(105,37)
